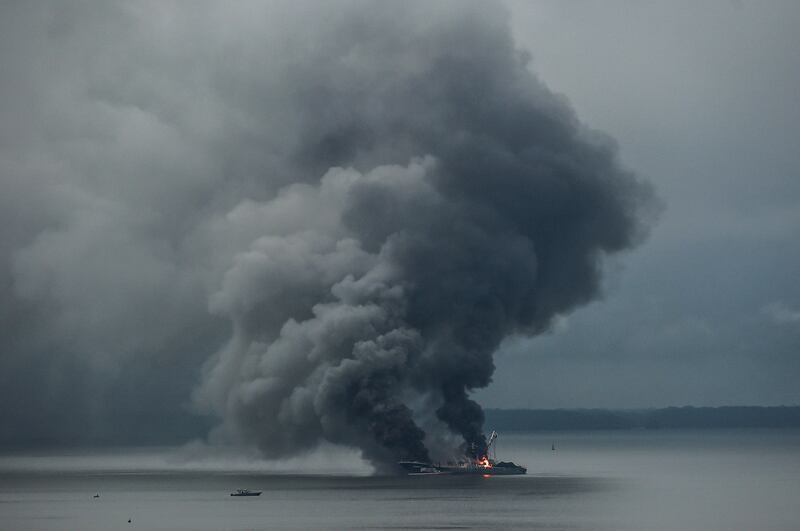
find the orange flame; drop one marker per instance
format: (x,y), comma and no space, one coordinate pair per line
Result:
(484,462)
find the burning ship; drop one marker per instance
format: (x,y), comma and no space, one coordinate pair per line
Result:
(472,464)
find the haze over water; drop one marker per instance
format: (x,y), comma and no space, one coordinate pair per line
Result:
(742,479)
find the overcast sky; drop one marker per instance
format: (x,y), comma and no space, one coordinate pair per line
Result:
(142,147)
(702,100)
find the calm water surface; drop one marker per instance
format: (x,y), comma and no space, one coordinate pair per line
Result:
(666,480)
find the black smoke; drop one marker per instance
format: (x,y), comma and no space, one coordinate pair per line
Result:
(467,203)
(308,221)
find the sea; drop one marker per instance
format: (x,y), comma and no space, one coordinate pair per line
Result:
(598,480)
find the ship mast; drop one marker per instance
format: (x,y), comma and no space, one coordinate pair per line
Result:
(492,438)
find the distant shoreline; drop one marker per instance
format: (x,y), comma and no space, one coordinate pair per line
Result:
(503,420)
(650,419)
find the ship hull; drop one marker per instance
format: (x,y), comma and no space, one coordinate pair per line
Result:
(488,471)
(417,468)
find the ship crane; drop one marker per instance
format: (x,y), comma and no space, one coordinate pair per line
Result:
(492,439)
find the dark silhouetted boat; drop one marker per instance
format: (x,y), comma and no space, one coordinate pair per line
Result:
(483,465)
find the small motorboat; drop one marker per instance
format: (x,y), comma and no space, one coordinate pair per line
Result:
(246,492)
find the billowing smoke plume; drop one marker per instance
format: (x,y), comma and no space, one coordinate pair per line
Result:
(461,202)
(367,196)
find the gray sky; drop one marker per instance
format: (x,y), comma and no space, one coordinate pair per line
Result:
(142,148)
(702,100)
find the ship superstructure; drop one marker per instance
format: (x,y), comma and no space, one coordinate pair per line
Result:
(472,464)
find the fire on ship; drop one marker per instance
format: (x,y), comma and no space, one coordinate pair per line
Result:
(476,465)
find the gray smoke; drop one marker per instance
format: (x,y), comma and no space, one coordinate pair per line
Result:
(465,202)
(313,222)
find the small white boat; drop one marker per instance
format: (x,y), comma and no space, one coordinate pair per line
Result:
(246,492)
